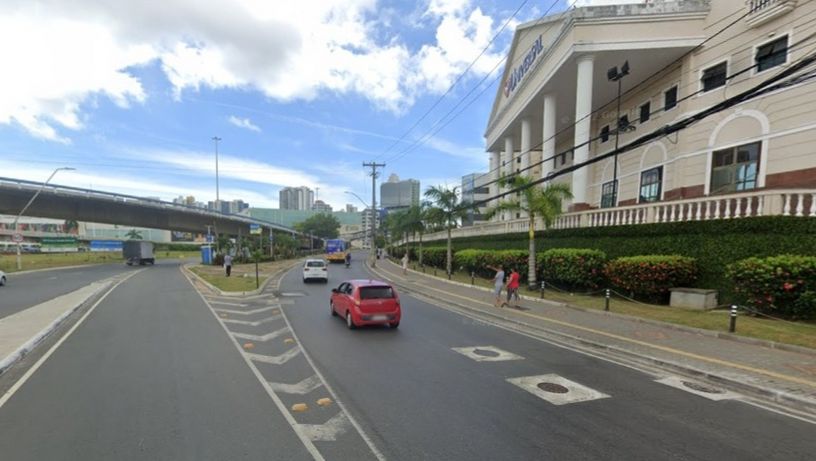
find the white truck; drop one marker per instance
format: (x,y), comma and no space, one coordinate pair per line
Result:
(138,252)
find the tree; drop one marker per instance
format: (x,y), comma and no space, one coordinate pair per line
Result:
(323,225)
(412,222)
(544,203)
(133,234)
(445,211)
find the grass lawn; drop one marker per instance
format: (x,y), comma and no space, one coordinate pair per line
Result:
(797,333)
(243,275)
(8,262)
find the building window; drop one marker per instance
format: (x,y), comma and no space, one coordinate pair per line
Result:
(609,196)
(518,159)
(645,112)
(735,169)
(670,98)
(605,133)
(772,54)
(715,76)
(650,184)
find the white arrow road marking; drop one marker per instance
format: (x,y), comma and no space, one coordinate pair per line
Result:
(575,392)
(254,311)
(698,388)
(276,359)
(304,387)
(494,354)
(265,337)
(252,323)
(328,431)
(228,304)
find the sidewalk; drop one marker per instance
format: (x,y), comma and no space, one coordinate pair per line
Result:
(784,377)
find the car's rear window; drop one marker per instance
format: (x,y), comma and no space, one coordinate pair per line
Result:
(376,292)
(315,264)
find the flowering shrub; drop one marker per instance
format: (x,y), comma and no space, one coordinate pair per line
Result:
(572,267)
(782,285)
(477,261)
(651,276)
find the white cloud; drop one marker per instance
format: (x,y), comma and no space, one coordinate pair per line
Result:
(244,123)
(57,54)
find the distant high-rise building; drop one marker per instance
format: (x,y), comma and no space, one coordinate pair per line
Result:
(323,207)
(396,194)
(296,198)
(475,189)
(366,224)
(351,208)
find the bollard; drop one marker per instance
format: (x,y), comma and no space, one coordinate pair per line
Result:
(472,278)
(732,326)
(606,300)
(543,286)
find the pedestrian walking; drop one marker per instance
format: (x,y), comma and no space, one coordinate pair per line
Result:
(405,263)
(513,286)
(498,284)
(228,263)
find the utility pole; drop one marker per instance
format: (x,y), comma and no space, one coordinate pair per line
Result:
(217,193)
(373,166)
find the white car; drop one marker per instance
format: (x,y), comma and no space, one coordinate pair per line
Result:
(315,269)
(2,278)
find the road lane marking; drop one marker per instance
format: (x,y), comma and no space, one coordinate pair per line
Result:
(697,388)
(253,323)
(276,359)
(228,304)
(304,387)
(254,311)
(569,392)
(328,431)
(632,341)
(262,338)
(20,382)
(494,354)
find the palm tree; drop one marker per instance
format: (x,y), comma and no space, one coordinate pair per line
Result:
(412,223)
(446,211)
(536,202)
(133,234)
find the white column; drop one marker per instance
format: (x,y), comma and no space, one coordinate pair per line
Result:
(509,166)
(548,135)
(583,108)
(526,145)
(495,164)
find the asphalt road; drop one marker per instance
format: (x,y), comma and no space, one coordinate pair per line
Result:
(150,374)
(29,289)
(419,399)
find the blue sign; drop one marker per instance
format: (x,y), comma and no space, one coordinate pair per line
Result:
(209,238)
(106,245)
(255,229)
(517,74)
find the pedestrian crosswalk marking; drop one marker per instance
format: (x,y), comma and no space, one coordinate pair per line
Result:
(574,392)
(494,354)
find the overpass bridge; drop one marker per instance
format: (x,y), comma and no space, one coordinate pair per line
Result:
(74,203)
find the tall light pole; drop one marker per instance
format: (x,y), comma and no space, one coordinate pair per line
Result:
(19,259)
(371,228)
(217,193)
(615,75)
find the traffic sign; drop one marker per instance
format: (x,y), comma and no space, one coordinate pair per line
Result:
(17,238)
(255,229)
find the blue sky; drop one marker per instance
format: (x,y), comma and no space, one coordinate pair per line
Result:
(301,93)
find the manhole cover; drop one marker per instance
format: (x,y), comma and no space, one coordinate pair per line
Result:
(702,388)
(486,353)
(553,387)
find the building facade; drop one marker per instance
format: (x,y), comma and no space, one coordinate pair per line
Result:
(475,189)
(321,206)
(296,198)
(555,116)
(396,194)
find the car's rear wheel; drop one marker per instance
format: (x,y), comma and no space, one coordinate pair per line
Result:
(2,281)
(331,306)
(350,321)
(394,325)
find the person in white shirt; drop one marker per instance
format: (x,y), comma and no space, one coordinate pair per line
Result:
(228,263)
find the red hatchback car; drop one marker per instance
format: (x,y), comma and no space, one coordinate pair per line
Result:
(366,302)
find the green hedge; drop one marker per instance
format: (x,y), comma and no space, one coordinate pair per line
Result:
(573,268)
(714,244)
(782,285)
(651,276)
(479,261)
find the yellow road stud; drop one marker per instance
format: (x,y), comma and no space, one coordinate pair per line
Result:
(324,402)
(300,407)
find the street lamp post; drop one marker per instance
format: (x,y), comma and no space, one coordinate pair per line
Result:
(615,75)
(14,224)
(373,216)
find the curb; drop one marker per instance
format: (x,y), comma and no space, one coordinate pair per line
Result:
(236,294)
(711,333)
(776,396)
